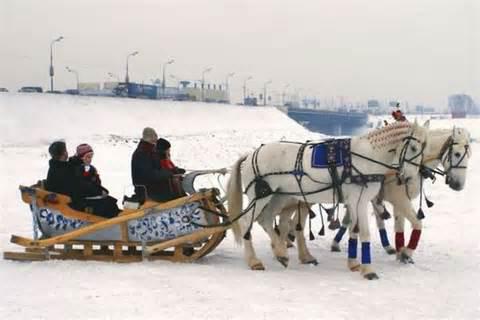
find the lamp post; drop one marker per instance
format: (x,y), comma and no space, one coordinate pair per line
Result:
(227,87)
(76,76)
(128,56)
(245,88)
(163,77)
(203,81)
(174,78)
(265,92)
(52,73)
(284,93)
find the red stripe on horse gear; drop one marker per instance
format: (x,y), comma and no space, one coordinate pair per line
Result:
(414,237)
(399,241)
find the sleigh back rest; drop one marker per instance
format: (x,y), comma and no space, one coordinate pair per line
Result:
(55,201)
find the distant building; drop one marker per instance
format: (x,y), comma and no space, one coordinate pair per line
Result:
(460,104)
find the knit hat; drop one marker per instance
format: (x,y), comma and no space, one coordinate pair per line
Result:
(149,135)
(83,149)
(163,145)
(57,149)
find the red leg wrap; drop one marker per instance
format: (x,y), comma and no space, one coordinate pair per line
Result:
(414,237)
(399,241)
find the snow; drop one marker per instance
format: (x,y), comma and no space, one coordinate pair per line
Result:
(443,283)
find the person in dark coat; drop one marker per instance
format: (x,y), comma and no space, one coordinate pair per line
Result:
(88,193)
(146,172)
(60,175)
(172,188)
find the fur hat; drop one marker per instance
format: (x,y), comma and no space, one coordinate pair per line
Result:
(149,135)
(163,145)
(57,148)
(83,149)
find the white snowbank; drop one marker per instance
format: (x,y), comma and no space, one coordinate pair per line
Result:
(32,118)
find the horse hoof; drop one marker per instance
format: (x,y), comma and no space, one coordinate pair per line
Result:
(283,261)
(371,276)
(405,258)
(313,262)
(258,266)
(390,250)
(355,268)
(335,248)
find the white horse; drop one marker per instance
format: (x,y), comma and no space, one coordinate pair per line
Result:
(448,147)
(276,173)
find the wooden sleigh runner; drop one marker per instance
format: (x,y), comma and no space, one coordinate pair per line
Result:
(168,231)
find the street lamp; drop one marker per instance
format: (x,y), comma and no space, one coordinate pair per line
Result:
(284,93)
(245,88)
(128,56)
(111,75)
(203,81)
(76,75)
(227,87)
(52,73)
(163,77)
(265,92)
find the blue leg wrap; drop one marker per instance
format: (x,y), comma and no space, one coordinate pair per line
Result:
(366,259)
(384,237)
(352,248)
(340,234)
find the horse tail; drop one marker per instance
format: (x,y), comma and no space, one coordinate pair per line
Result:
(235,197)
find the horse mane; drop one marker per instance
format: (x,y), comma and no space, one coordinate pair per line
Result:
(390,135)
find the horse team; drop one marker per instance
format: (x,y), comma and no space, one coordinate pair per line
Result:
(387,164)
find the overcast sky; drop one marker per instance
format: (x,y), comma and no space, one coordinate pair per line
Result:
(415,50)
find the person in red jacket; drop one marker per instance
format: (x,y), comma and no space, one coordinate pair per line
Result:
(398,115)
(172,188)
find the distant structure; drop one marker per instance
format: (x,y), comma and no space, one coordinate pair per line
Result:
(460,104)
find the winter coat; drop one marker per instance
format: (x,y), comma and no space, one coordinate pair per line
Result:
(59,177)
(146,170)
(172,188)
(87,184)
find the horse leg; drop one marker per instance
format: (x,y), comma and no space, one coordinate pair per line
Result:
(398,212)
(304,254)
(352,261)
(250,256)
(378,211)
(246,223)
(279,247)
(335,246)
(284,226)
(406,253)
(366,267)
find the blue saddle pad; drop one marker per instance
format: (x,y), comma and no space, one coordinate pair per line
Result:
(335,152)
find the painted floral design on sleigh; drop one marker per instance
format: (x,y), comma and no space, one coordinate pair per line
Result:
(167,224)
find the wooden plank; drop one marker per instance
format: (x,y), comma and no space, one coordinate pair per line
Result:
(24,256)
(117,250)
(193,237)
(87,249)
(124,231)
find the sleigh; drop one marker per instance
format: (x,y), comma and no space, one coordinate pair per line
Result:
(181,230)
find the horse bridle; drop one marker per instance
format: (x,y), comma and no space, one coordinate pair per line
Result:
(448,156)
(445,154)
(403,153)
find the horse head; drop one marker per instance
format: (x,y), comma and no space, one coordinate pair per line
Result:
(454,157)
(409,153)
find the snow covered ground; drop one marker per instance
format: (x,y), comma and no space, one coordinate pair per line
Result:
(443,283)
